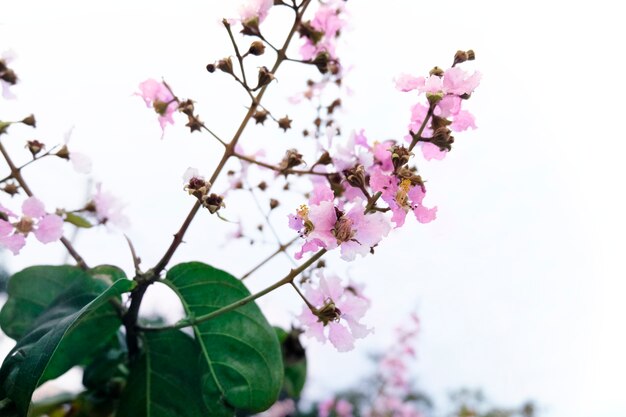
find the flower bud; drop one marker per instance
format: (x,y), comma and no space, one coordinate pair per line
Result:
(30,121)
(34,146)
(274,203)
(265,77)
(257,48)
(64,152)
(8,75)
(325,159)
(262,186)
(321,62)
(211,68)
(251,27)
(225,65)
(436,71)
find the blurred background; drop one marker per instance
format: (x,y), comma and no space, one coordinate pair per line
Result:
(519,283)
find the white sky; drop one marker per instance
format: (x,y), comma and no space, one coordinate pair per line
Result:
(520,281)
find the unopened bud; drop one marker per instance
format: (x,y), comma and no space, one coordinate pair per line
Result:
(274,203)
(459,57)
(265,77)
(262,186)
(325,159)
(321,62)
(251,27)
(30,121)
(436,71)
(211,68)
(225,65)
(257,48)
(470,55)
(8,75)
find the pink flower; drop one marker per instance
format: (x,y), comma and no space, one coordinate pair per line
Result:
(401,196)
(160,98)
(341,407)
(406,82)
(108,208)
(255,9)
(80,161)
(337,316)
(328,22)
(323,225)
(46,227)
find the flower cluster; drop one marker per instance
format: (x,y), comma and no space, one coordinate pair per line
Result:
(46,227)
(445,92)
(335,310)
(321,32)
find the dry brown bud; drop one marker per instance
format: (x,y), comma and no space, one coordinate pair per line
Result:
(226,65)
(262,186)
(265,77)
(285,123)
(11,189)
(257,48)
(291,159)
(34,146)
(211,68)
(274,203)
(260,116)
(436,71)
(30,121)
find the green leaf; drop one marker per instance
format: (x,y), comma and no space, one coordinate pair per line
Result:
(294,358)
(75,325)
(77,220)
(240,351)
(31,291)
(165,381)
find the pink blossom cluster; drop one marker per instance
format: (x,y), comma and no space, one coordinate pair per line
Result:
(448,89)
(335,407)
(255,10)
(336,313)
(322,31)
(348,221)
(14,228)
(394,375)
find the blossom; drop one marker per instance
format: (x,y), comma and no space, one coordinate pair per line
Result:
(341,407)
(46,227)
(324,225)
(108,209)
(80,161)
(402,195)
(337,314)
(327,24)
(254,9)
(158,96)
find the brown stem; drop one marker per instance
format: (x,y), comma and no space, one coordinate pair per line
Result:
(229,151)
(418,136)
(16,173)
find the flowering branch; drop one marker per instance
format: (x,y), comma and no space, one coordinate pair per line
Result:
(17,175)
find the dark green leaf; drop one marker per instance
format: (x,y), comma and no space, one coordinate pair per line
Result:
(107,364)
(74,326)
(165,381)
(77,220)
(294,358)
(31,291)
(240,350)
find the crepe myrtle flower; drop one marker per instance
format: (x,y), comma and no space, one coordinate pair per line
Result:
(46,227)
(402,195)
(158,96)
(107,209)
(324,225)
(334,313)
